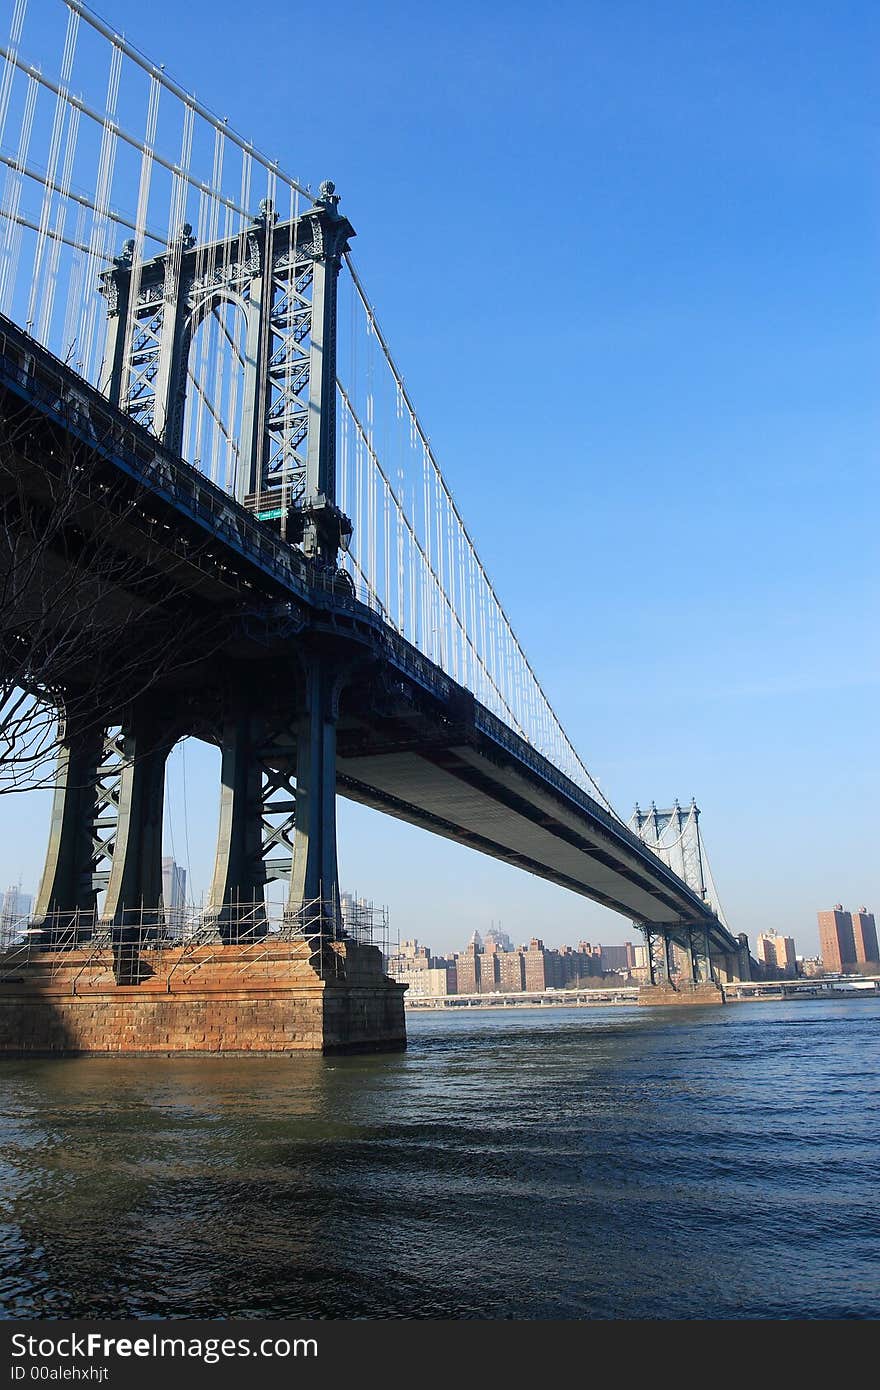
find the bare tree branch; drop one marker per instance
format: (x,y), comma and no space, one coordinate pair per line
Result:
(96,603)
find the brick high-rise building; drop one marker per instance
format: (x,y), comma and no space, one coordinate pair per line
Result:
(512,976)
(535,968)
(837,945)
(865,936)
(490,975)
(467,967)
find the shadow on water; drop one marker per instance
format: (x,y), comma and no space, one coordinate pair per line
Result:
(610,1162)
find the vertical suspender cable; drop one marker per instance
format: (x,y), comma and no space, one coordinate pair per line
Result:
(52,275)
(51,168)
(11,200)
(19,11)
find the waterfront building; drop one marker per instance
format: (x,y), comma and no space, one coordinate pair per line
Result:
(424,984)
(534,966)
(490,975)
(409,957)
(467,965)
(426,974)
(786,956)
(836,943)
(777,954)
(511,972)
(865,937)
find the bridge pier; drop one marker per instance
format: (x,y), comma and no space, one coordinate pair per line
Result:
(238,885)
(135,883)
(314,879)
(697,986)
(130,988)
(67,888)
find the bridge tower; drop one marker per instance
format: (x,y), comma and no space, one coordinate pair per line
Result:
(674,834)
(106,830)
(282,277)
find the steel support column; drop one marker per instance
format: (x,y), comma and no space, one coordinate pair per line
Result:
(649,946)
(314,879)
(237,889)
(255,388)
(323,524)
(136,872)
(114,371)
(668,957)
(692,954)
(170,384)
(67,886)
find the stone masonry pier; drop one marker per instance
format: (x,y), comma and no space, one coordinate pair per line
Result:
(265,997)
(683,993)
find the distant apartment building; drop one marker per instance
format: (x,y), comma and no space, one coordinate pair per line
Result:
(837,945)
(786,956)
(847,940)
(410,956)
(511,971)
(865,936)
(777,954)
(427,975)
(490,975)
(535,966)
(467,965)
(425,984)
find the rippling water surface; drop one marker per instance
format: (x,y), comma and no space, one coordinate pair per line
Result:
(569,1163)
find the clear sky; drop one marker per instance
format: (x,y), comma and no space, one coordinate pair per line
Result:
(627,256)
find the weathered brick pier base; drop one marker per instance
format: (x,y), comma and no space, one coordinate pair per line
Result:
(685,992)
(262,998)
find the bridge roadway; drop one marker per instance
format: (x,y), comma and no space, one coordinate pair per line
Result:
(410,741)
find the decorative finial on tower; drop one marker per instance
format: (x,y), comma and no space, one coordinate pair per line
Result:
(327,195)
(186,236)
(267,212)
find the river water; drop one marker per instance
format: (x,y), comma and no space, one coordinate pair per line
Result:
(582,1163)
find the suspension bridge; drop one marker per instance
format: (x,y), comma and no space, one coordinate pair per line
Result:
(202,413)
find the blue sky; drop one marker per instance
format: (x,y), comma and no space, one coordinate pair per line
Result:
(627,258)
